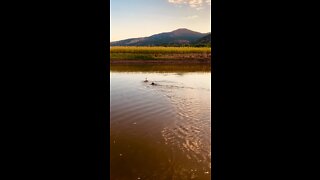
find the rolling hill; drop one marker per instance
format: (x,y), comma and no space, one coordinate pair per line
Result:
(177,37)
(204,40)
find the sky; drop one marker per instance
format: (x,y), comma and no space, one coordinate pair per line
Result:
(142,18)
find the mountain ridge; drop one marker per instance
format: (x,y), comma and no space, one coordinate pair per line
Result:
(181,36)
(204,40)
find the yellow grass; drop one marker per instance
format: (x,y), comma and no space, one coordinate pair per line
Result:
(157,49)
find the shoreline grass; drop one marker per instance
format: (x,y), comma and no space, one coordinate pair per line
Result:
(159,53)
(158,49)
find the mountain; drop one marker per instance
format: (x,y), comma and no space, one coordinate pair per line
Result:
(177,37)
(206,40)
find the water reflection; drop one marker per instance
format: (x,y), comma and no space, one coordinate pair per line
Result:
(163,131)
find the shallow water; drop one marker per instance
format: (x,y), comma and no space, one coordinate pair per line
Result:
(160,131)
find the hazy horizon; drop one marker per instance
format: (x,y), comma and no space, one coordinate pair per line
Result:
(142,18)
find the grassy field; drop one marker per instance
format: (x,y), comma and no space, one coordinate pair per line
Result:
(156,49)
(159,53)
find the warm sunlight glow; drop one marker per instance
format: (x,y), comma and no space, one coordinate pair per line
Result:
(142,18)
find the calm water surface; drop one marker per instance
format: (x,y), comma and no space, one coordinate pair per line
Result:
(161,131)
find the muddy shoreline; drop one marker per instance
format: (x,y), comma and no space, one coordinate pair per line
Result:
(160,58)
(174,61)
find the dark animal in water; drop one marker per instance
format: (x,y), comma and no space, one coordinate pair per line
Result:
(153,84)
(146,80)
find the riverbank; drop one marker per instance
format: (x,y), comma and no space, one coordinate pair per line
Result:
(160,55)
(161,68)
(168,61)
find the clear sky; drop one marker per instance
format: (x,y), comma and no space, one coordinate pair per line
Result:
(141,18)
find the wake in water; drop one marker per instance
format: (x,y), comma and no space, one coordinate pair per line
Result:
(160,131)
(172,84)
(187,136)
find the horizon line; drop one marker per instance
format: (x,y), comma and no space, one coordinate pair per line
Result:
(159,33)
